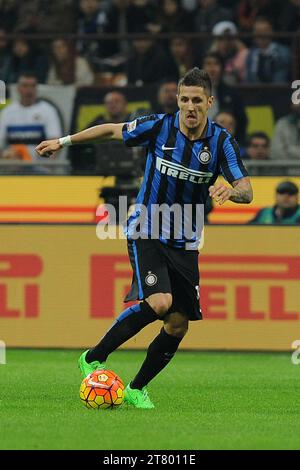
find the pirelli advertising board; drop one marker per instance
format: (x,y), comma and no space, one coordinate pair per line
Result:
(60,286)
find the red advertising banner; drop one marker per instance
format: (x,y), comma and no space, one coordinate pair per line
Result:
(60,286)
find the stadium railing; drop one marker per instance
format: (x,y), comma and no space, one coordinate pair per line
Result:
(52,167)
(273,167)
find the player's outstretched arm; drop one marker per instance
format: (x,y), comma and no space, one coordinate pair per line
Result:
(92,134)
(241,192)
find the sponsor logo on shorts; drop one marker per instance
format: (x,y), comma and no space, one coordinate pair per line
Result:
(151,279)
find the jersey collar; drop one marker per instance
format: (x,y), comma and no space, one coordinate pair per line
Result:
(210,129)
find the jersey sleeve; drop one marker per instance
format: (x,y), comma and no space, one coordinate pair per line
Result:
(232,167)
(142,131)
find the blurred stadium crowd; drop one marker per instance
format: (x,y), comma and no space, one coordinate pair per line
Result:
(246,59)
(249,47)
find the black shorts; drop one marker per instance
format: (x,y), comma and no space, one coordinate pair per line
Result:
(158,268)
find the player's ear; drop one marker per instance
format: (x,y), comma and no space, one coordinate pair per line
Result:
(210,101)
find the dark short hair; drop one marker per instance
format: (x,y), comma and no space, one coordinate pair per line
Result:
(258,135)
(166,81)
(28,74)
(287,187)
(225,111)
(263,19)
(196,77)
(216,56)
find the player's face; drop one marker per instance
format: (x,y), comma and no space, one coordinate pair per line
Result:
(193,104)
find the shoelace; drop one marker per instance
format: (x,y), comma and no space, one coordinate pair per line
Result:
(145,393)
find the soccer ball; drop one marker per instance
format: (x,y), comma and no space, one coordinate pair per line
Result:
(102,389)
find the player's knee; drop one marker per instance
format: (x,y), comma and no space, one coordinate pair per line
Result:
(176,325)
(161,303)
(179,331)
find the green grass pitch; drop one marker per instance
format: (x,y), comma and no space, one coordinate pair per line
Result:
(203,401)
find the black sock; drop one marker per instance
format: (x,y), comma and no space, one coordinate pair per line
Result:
(128,324)
(159,354)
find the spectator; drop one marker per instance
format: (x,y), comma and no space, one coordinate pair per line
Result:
(249,10)
(85,159)
(209,14)
(25,57)
(149,63)
(227,120)
(182,54)
(9,11)
(92,20)
(42,16)
(286,138)
(225,97)
(5,58)
(173,19)
(290,18)
(286,210)
(131,16)
(167,97)
(28,121)
(67,68)
(166,100)
(268,61)
(232,50)
(116,109)
(258,146)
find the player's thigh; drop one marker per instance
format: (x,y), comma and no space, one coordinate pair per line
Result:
(184,278)
(150,271)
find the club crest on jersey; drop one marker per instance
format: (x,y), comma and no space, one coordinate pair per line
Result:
(204,156)
(131,125)
(151,279)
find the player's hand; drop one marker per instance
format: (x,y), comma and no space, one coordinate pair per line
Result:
(220,193)
(48,148)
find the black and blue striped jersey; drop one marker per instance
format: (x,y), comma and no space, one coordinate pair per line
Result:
(179,170)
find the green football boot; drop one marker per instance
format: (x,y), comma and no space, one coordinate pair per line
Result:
(87,368)
(138,398)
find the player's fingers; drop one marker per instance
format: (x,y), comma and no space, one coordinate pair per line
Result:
(39,149)
(213,189)
(224,197)
(41,145)
(46,151)
(218,192)
(221,190)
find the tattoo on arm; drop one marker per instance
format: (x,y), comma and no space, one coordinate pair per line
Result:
(242,192)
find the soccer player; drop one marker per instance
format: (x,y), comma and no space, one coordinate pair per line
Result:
(186,153)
